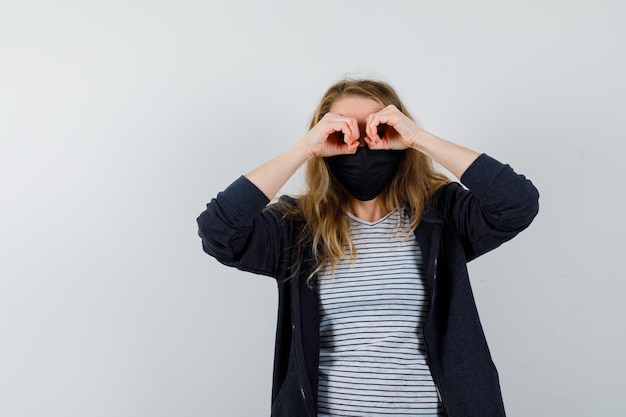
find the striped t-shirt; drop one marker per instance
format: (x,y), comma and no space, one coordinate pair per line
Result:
(373,361)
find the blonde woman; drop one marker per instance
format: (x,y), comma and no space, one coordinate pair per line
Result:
(376,314)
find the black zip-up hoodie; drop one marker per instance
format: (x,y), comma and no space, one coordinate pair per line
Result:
(459,225)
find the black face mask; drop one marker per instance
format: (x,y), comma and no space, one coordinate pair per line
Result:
(366,173)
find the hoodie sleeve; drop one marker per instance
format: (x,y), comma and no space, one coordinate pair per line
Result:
(499,204)
(236,229)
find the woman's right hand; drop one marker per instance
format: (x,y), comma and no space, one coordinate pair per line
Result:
(324,138)
(321,140)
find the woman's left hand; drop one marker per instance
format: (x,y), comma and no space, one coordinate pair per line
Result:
(400,132)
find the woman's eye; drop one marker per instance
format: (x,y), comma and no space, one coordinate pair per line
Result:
(341,136)
(380,130)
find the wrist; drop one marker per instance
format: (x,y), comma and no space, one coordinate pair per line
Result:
(301,151)
(421,141)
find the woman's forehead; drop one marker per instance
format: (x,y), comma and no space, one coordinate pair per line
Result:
(356,107)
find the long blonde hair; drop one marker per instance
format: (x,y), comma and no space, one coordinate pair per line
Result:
(323,206)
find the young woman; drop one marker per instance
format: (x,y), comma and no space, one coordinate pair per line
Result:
(376,313)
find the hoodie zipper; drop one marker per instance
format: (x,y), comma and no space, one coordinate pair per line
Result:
(298,364)
(432,300)
(432,304)
(304,399)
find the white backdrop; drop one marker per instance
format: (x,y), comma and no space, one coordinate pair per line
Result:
(120,119)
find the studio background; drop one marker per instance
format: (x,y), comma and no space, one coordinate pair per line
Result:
(119,120)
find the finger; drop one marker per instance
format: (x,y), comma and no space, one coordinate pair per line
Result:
(343,131)
(339,128)
(354,127)
(351,148)
(372,143)
(370,126)
(389,116)
(349,131)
